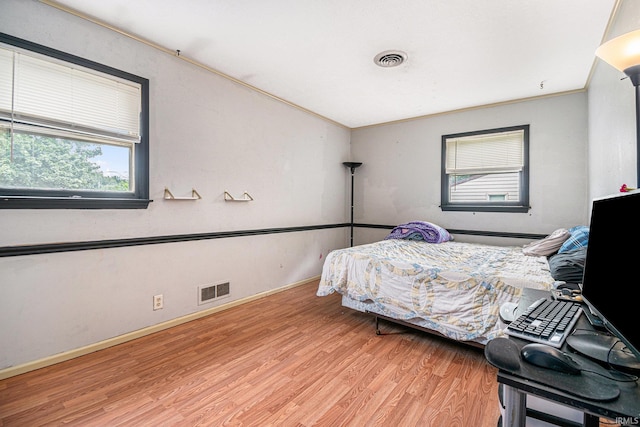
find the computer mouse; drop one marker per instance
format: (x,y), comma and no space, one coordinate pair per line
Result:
(548,357)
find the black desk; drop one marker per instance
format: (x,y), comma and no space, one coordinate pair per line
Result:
(624,410)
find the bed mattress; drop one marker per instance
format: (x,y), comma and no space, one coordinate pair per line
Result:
(453,288)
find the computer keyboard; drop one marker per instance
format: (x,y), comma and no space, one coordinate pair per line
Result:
(546,321)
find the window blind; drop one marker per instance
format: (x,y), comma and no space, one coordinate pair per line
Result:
(6,82)
(50,95)
(495,153)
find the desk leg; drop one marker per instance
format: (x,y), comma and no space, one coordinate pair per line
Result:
(515,407)
(591,420)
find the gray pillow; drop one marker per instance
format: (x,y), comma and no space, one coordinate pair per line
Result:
(549,245)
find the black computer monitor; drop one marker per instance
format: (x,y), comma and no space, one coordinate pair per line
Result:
(611,281)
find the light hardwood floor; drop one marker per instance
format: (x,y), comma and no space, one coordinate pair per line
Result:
(289,359)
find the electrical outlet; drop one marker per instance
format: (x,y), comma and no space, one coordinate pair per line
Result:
(158,302)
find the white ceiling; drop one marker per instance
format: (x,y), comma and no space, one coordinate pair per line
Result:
(318,54)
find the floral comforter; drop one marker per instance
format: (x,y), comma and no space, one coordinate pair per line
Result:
(453,288)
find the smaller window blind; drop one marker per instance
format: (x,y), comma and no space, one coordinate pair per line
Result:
(47,94)
(493,153)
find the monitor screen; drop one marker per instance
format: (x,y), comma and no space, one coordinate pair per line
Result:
(611,276)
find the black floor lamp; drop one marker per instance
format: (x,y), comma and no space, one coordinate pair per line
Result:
(352,166)
(623,53)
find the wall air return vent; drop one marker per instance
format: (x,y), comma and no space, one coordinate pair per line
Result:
(222,290)
(209,293)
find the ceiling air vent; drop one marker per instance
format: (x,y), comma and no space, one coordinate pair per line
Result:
(390,58)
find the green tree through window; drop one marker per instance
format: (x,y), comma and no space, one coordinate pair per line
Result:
(36,161)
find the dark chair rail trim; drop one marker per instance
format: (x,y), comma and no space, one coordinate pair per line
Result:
(470,232)
(47,248)
(21,250)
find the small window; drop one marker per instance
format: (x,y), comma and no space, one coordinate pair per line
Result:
(486,170)
(73,133)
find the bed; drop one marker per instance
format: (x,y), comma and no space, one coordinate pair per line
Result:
(449,288)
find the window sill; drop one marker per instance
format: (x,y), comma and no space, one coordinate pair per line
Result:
(26,202)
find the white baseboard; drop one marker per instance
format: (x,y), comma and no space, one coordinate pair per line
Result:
(71,354)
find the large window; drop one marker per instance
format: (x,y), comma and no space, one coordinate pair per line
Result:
(73,133)
(486,170)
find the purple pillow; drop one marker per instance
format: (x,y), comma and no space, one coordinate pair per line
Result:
(420,230)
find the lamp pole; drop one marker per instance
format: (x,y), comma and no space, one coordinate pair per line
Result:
(633,73)
(352,166)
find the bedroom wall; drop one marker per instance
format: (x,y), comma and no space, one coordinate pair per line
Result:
(207,133)
(399,180)
(612,117)
(212,134)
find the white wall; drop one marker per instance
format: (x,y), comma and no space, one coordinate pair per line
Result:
(214,135)
(206,132)
(399,180)
(612,117)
